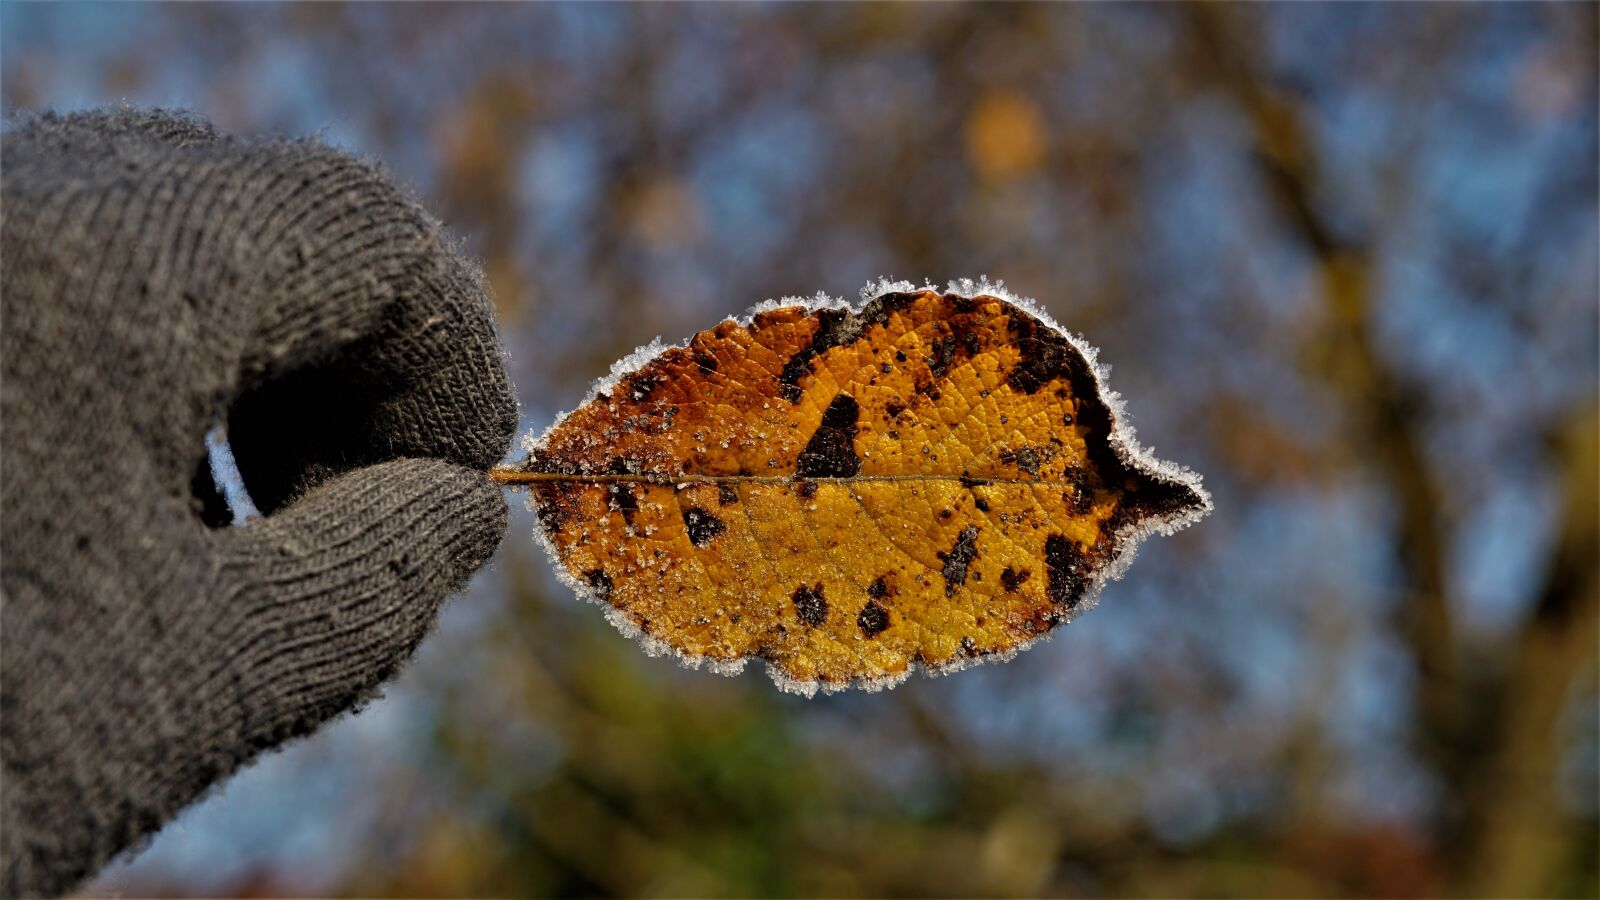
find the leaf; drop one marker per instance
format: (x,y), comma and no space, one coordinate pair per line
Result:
(931,479)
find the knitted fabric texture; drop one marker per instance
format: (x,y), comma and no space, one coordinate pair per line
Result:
(159,278)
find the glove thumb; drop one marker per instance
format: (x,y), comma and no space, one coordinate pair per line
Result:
(336,589)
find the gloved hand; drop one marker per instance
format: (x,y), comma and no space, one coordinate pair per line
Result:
(160,278)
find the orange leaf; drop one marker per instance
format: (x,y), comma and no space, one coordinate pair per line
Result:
(933,478)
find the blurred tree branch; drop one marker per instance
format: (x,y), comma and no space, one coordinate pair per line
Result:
(1382,408)
(1494,738)
(1516,822)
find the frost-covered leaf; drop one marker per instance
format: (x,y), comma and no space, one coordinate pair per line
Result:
(929,478)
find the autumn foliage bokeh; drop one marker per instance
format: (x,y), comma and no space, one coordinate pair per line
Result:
(1342,259)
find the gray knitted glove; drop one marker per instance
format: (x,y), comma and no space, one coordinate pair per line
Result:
(160,278)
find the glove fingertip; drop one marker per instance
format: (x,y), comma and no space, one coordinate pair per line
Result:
(341,585)
(416,525)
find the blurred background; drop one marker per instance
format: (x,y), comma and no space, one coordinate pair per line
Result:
(1343,259)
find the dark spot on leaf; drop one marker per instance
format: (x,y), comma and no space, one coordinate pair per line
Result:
(703,526)
(1011,579)
(640,387)
(835,328)
(873,619)
(900,356)
(1081,498)
(1152,497)
(959,558)
(810,605)
(1041,621)
(968,482)
(894,410)
(600,583)
(806,489)
(554,503)
(944,353)
(1046,355)
(727,495)
(946,513)
(831,451)
(706,361)
(622,497)
(1066,418)
(879,588)
(970,342)
(1064,566)
(1027,459)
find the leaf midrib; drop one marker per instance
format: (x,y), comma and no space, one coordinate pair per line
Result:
(519,476)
